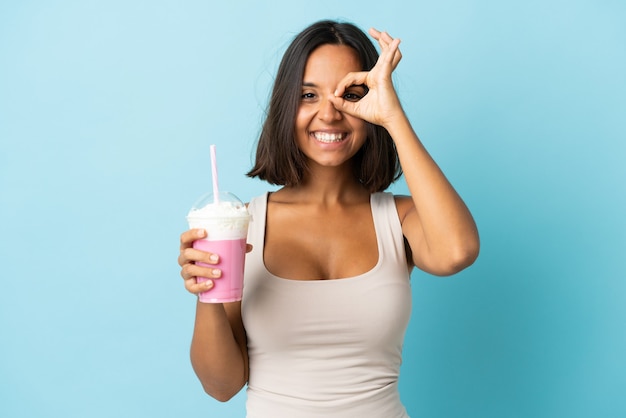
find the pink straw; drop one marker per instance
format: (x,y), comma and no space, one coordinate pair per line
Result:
(216,192)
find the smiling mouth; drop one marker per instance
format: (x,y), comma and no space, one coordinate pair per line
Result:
(329,138)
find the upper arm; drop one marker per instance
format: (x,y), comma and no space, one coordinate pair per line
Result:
(441,253)
(417,250)
(411,229)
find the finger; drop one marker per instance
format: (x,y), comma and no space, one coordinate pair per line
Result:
(395,53)
(190,254)
(374,33)
(350,79)
(345,106)
(249,248)
(387,43)
(391,55)
(193,256)
(199,279)
(191,271)
(200,283)
(188,237)
(195,287)
(385,37)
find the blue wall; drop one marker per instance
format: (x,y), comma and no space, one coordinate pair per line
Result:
(107,111)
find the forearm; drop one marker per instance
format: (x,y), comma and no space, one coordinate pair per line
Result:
(216,355)
(448,231)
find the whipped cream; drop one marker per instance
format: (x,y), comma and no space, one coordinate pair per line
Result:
(223,220)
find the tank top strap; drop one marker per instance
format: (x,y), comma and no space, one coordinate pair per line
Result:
(388,227)
(257,207)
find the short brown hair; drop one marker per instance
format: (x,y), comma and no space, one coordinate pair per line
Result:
(278,158)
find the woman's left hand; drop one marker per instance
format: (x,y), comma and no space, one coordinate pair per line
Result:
(381,104)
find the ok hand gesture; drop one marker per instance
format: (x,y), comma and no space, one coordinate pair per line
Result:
(381,104)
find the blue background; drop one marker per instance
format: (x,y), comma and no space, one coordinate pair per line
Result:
(107,111)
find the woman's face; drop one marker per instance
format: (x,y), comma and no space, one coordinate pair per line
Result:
(326,136)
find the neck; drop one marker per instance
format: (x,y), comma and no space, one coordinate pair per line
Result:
(328,186)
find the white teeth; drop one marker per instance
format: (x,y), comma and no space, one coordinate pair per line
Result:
(327,137)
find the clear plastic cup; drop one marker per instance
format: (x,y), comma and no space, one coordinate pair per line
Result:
(226,223)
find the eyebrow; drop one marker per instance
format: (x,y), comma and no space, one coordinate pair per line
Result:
(309,84)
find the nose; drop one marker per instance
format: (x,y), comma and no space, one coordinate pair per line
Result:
(327,111)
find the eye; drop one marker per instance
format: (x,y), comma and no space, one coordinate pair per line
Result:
(355,93)
(308,96)
(352,97)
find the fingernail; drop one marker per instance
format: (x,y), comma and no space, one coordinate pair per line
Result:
(217,272)
(208,284)
(200,232)
(214,258)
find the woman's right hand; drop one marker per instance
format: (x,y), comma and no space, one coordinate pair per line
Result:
(219,354)
(188,259)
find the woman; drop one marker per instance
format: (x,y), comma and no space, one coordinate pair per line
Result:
(326,302)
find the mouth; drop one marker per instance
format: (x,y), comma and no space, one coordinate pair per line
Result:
(329,138)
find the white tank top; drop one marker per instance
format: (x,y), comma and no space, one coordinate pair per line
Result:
(327,348)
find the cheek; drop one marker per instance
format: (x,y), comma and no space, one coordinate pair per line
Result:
(359,127)
(301,128)
(302,120)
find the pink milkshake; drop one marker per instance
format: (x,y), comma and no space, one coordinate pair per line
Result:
(226,221)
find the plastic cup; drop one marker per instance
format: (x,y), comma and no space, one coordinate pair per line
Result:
(226,223)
